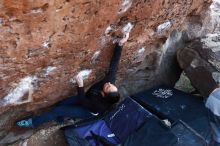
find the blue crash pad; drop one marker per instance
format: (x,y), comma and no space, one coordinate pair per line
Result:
(126,118)
(116,126)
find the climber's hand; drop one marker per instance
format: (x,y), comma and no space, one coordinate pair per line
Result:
(79,80)
(124,39)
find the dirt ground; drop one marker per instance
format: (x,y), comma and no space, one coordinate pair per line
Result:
(52,136)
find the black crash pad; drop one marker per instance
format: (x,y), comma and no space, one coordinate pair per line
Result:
(187,136)
(152,133)
(175,105)
(126,118)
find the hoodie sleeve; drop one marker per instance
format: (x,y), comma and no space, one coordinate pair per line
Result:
(84,101)
(81,92)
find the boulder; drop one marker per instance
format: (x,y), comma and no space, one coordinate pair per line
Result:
(200,60)
(200,56)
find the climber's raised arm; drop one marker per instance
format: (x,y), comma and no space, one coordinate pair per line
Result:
(80,88)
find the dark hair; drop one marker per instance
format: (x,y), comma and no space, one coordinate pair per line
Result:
(112,97)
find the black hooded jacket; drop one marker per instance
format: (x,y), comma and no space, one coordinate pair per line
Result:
(93,99)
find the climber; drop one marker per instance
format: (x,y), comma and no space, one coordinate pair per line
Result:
(97,100)
(213,105)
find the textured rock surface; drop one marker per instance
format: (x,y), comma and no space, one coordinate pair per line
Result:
(45,137)
(45,43)
(184,84)
(200,59)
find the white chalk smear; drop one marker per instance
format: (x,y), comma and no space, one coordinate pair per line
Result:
(163,93)
(108,30)
(126,4)
(127,28)
(140,51)
(164,26)
(46,44)
(84,73)
(58,10)
(23,87)
(49,69)
(35,11)
(95,56)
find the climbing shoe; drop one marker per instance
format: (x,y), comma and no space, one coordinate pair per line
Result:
(27,123)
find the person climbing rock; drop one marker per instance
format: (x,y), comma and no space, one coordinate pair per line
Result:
(97,100)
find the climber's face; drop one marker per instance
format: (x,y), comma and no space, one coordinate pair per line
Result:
(108,87)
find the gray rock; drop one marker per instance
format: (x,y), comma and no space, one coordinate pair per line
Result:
(200,60)
(184,84)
